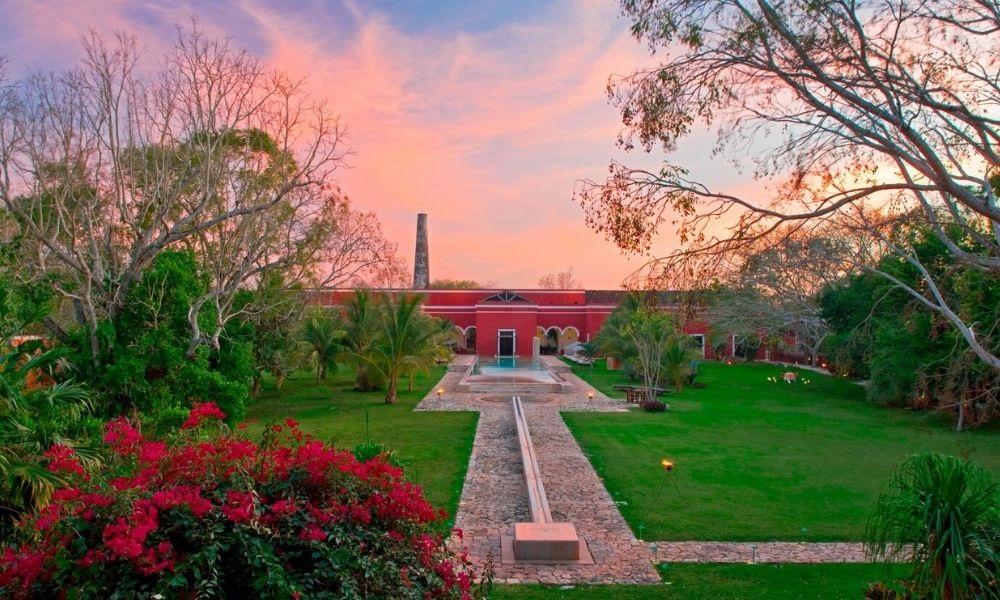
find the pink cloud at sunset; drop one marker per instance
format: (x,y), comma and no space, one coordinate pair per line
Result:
(484,120)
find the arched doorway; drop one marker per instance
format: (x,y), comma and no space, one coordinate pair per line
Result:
(470,339)
(550,345)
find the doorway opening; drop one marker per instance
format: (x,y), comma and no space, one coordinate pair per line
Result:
(506,342)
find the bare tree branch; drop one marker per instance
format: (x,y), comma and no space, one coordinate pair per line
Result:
(843,107)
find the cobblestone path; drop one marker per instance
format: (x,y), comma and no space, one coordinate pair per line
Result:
(761,552)
(494,498)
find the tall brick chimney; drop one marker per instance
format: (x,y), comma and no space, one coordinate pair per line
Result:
(421,258)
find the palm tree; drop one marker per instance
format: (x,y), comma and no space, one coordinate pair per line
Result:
(611,339)
(409,342)
(941,514)
(322,334)
(679,356)
(363,326)
(35,413)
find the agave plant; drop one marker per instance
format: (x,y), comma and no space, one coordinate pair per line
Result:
(941,514)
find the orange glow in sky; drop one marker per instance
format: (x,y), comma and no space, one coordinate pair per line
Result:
(483,114)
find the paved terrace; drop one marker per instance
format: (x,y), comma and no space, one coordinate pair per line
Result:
(494,497)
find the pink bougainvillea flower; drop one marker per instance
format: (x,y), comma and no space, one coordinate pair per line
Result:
(202,411)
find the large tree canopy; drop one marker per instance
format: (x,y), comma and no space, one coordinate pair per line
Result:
(866,114)
(106,166)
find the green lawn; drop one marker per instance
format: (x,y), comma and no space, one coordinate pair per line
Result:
(733,582)
(757,460)
(434,445)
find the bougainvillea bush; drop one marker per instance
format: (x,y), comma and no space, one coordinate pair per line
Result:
(210,514)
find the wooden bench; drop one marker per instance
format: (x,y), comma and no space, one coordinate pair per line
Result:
(624,387)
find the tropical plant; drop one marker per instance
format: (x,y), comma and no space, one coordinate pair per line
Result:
(611,339)
(941,514)
(679,359)
(362,324)
(323,334)
(410,340)
(589,350)
(207,513)
(372,450)
(36,415)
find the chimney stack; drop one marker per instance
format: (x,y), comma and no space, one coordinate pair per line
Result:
(421,258)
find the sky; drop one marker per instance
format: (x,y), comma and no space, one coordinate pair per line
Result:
(484,114)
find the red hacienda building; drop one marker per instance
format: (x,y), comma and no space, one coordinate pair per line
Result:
(503,322)
(494,322)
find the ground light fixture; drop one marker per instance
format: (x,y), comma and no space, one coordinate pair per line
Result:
(440,392)
(590,396)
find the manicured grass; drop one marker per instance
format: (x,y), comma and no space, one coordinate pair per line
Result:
(435,446)
(757,460)
(733,582)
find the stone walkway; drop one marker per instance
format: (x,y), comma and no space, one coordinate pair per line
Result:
(761,552)
(494,498)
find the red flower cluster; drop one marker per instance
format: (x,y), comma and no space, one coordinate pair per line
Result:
(158,514)
(202,411)
(62,459)
(121,435)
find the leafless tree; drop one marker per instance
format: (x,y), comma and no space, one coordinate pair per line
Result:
(312,242)
(461,284)
(564,280)
(862,112)
(103,167)
(772,289)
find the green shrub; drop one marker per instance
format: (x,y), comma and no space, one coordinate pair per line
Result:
(372,450)
(653,406)
(220,516)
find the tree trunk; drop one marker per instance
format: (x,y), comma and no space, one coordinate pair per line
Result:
(390,391)
(57,331)
(95,347)
(255,386)
(279,380)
